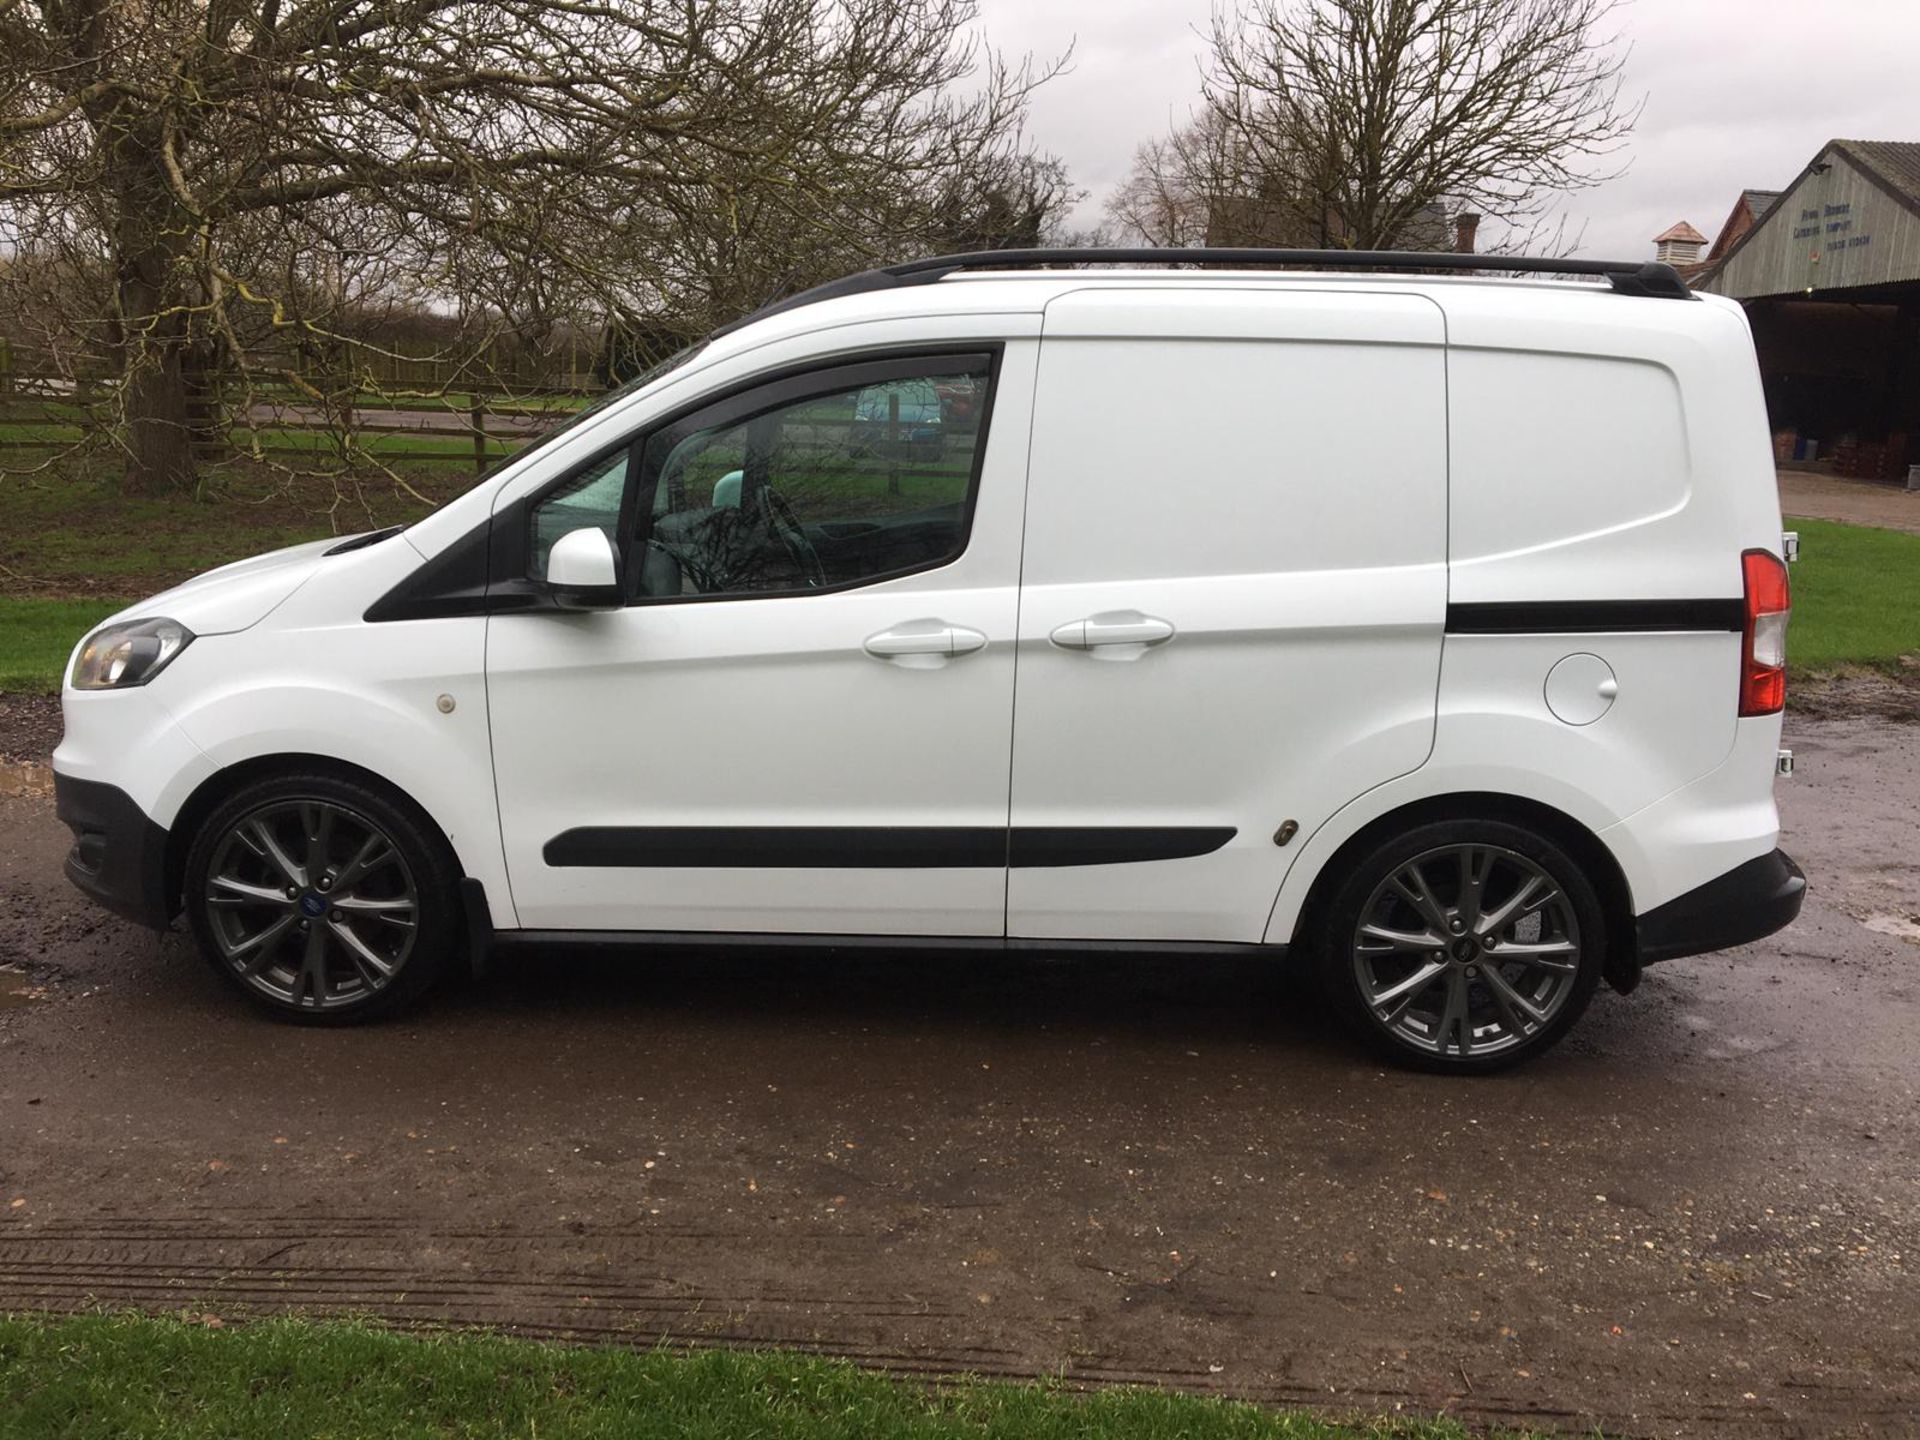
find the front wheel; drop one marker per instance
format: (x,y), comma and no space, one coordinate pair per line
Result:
(322,899)
(1463,945)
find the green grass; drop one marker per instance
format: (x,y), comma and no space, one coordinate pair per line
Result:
(81,551)
(25,409)
(386,445)
(99,1377)
(403,397)
(27,436)
(138,541)
(75,533)
(31,441)
(73,549)
(1856,597)
(36,636)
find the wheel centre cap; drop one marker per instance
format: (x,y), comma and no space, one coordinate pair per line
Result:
(1465,949)
(313,906)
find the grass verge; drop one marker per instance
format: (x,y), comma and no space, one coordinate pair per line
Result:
(79,550)
(1856,597)
(73,549)
(36,636)
(92,1377)
(71,533)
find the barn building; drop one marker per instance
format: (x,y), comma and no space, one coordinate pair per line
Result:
(1829,272)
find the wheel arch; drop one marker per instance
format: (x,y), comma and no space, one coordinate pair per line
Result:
(1622,965)
(229,780)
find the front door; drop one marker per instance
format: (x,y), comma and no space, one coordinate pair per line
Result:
(1233,601)
(801,720)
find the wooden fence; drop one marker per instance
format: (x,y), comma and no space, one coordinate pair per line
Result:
(476,424)
(456,422)
(500,370)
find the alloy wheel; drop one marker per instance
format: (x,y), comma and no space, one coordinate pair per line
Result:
(311,904)
(1467,950)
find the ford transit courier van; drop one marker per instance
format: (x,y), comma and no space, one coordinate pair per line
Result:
(1427,629)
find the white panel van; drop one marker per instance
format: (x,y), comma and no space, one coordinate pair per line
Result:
(1424,628)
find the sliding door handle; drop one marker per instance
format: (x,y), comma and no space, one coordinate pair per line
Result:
(924,641)
(1114,628)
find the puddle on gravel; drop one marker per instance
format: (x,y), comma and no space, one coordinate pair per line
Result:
(1898,926)
(17,990)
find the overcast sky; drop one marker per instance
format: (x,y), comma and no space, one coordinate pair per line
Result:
(1739,93)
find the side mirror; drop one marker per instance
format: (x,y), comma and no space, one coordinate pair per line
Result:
(583,573)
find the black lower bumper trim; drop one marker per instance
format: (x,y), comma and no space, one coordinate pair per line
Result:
(119,856)
(1748,903)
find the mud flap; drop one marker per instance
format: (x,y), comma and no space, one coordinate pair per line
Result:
(473,899)
(1622,970)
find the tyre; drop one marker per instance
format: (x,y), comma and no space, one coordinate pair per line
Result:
(323,900)
(1463,946)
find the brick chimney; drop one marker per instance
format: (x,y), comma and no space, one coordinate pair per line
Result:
(1466,226)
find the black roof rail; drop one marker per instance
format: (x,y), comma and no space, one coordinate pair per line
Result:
(1647,278)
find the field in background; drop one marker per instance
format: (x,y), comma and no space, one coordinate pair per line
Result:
(473,428)
(1856,597)
(99,1377)
(73,550)
(36,636)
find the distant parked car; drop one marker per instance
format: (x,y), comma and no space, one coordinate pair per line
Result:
(900,420)
(1431,632)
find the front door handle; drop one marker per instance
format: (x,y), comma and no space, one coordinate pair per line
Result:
(1114,627)
(924,642)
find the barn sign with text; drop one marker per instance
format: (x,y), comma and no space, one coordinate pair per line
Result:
(1844,224)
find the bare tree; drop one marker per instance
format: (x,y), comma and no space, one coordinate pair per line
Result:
(1164,198)
(1370,124)
(737,245)
(228,175)
(1199,185)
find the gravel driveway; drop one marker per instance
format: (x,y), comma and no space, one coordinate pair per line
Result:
(1699,1216)
(1857,502)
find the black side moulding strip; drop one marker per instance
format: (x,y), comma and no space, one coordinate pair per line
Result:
(875,847)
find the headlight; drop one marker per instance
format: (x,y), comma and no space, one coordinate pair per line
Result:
(130,653)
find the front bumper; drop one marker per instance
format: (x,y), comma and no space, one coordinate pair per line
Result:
(119,856)
(1748,903)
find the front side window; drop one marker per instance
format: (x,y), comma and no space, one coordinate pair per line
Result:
(830,488)
(591,498)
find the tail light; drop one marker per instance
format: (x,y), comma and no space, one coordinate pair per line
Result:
(1763,641)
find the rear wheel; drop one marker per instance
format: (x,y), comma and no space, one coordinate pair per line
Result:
(1463,945)
(321,899)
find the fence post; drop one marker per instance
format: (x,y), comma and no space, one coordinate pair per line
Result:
(477,418)
(893,442)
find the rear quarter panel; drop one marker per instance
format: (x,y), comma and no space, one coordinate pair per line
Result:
(1600,448)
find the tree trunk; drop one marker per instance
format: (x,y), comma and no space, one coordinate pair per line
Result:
(159,441)
(153,247)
